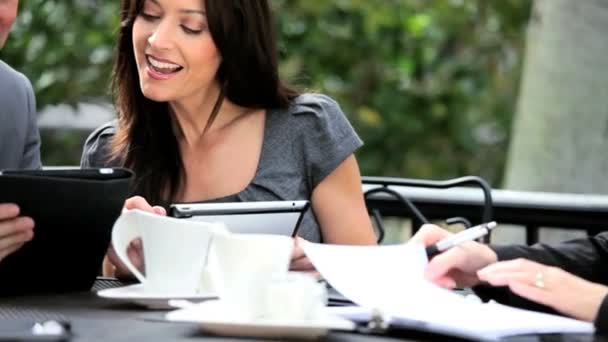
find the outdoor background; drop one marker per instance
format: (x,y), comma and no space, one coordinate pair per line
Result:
(429,85)
(510,90)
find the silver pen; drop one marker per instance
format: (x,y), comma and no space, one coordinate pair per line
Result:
(469,234)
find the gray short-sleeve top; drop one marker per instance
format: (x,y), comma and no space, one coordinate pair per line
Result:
(302,145)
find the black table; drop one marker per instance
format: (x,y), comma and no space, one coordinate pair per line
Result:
(97,319)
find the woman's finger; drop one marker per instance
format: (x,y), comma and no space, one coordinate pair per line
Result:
(516,265)
(135,254)
(445,282)
(531,292)
(503,278)
(445,262)
(301,264)
(428,234)
(312,273)
(159,210)
(297,252)
(138,202)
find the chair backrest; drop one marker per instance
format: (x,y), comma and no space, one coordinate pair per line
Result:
(382,185)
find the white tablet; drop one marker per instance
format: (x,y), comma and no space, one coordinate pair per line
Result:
(266,217)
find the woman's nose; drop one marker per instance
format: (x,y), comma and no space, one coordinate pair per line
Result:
(161,37)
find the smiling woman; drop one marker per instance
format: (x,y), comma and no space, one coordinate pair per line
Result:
(203,116)
(173,44)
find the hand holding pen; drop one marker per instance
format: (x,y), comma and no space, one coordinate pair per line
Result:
(455,258)
(469,234)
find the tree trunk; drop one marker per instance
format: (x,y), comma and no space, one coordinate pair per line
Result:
(560,134)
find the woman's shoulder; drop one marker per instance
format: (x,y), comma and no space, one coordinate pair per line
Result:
(97,146)
(315,104)
(317,115)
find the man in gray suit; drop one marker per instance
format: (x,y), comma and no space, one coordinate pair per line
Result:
(19,137)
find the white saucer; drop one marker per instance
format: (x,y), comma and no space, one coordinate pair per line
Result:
(135,294)
(214,318)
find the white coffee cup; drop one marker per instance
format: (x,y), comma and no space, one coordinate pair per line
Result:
(241,263)
(175,251)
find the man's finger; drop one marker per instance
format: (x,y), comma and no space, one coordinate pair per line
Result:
(15,226)
(10,250)
(8,211)
(9,241)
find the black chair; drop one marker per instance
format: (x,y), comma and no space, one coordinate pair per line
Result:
(384,185)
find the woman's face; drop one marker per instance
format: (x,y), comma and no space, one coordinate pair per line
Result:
(175,54)
(8,12)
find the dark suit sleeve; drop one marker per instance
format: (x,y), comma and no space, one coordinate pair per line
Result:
(585,258)
(31,151)
(97,148)
(601,321)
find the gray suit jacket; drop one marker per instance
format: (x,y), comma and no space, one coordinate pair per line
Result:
(19,136)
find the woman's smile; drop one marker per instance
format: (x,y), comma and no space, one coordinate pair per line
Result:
(161,69)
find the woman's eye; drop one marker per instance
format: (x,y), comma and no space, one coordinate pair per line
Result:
(190,31)
(148,17)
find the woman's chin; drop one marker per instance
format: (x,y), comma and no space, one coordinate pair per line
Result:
(156,96)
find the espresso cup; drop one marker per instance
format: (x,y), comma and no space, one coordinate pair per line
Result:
(175,251)
(290,297)
(241,264)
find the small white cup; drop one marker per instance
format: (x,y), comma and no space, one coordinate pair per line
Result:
(293,296)
(240,263)
(175,251)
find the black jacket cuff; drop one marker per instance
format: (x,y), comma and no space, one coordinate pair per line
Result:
(601,321)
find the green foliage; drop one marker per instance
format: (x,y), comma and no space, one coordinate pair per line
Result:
(429,85)
(65,47)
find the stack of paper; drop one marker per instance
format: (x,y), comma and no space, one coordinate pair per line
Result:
(391,279)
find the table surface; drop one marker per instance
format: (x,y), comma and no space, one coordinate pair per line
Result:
(97,319)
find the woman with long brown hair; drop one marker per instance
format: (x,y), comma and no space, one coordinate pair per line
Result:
(203,116)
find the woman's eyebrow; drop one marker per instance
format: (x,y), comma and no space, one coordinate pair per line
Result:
(186,11)
(191,11)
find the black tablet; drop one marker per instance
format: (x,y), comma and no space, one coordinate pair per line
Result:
(264,217)
(74,211)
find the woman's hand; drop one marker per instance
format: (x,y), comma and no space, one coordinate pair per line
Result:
(551,286)
(112,265)
(299,260)
(15,231)
(458,266)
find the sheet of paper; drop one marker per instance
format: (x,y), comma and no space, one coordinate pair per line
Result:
(387,277)
(391,279)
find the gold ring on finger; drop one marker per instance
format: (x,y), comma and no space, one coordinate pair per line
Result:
(540,280)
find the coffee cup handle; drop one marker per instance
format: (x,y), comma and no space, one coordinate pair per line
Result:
(125,231)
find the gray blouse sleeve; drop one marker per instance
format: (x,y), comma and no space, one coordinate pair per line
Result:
(325,135)
(96,150)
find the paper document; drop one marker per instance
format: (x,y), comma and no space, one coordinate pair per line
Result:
(391,279)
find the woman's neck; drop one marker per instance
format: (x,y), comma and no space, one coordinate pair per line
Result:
(192,115)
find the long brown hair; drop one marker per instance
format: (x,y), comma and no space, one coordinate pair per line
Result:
(244,35)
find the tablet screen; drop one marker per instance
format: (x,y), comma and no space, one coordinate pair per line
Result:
(265,217)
